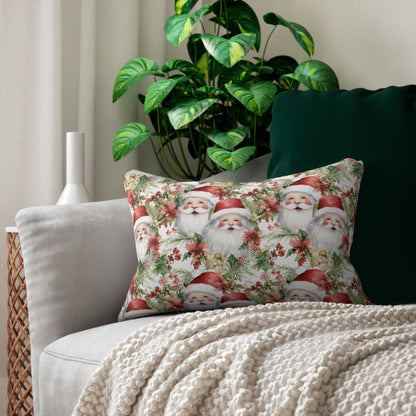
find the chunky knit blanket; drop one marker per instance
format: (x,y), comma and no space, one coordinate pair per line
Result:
(279,359)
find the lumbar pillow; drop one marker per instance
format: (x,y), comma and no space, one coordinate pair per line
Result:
(213,245)
(313,128)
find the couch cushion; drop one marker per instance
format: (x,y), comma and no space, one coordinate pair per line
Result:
(66,364)
(311,128)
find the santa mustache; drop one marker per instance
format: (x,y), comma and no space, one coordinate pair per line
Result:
(230,227)
(331,227)
(293,206)
(190,210)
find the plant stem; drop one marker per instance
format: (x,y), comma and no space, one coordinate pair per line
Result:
(171,152)
(267,43)
(184,157)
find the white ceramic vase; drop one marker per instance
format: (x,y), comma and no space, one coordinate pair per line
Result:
(75,190)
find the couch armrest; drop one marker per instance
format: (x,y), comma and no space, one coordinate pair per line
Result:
(79,260)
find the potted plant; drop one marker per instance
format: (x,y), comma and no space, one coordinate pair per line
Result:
(216,106)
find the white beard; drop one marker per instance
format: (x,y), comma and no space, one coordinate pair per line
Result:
(324,237)
(223,241)
(201,306)
(190,223)
(141,247)
(296,220)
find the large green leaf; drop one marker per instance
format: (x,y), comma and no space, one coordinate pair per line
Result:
(257,98)
(281,66)
(205,63)
(316,75)
(132,72)
(178,27)
(157,92)
(128,137)
(188,110)
(238,74)
(302,36)
(184,6)
(228,51)
(188,68)
(237,17)
(228,139)
(231,160)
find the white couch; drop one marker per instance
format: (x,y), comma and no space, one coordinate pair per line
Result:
(79,261)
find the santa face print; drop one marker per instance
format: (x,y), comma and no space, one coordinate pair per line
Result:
(300,295)
(141,231)
(200,301)
(194,205)
(333,221)
(326,232)
(225,235)
(230,222)
(297,201)
(193,216)
(297,210)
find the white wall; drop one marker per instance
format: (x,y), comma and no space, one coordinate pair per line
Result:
(369,43)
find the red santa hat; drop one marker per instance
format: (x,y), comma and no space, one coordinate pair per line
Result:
(140,215)
(311,185)
(230,206)
(236,299)
(207,192)
(138,307)
(207,282)
(130,197)
(339,297)
(331,204)
(311,280)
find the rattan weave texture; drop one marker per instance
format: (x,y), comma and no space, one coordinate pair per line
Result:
(19,387)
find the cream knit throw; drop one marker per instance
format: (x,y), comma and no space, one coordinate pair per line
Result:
(279,359)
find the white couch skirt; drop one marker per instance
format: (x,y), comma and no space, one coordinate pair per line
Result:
(66,364)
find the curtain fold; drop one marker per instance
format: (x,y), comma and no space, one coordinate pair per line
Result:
(59,60)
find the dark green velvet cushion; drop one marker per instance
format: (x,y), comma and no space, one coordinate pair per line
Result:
(312,129)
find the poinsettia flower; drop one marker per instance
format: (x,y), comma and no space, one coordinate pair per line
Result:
(273,297)
(252,238)
(196,249)
(163,281)
(301,246)
(270,204)
(301,261)
(169,210)
(264,276)
(173,302)
(153,244)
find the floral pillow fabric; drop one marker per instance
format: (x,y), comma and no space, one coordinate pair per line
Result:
(212,245)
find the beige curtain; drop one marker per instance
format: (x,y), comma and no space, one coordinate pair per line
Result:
(58,62)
